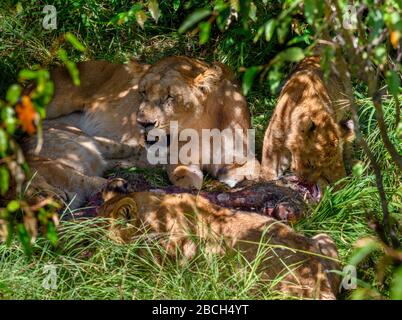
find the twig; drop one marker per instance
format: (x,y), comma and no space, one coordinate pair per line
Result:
(374,164)
(355,57)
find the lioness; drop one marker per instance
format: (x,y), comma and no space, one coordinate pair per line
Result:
(100,123)
(89,128)
(180,222)
(308,131)
(199,96)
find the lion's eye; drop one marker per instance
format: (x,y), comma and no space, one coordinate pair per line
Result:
(310,165)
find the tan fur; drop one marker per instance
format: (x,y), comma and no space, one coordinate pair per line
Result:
(89,129)
(181,222)
(73,162)
(105,106)
(198,96)
(308,132)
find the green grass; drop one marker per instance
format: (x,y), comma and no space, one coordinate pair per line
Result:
(89,265)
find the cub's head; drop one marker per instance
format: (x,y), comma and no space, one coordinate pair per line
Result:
(175,89)
(120,209)
(317,149)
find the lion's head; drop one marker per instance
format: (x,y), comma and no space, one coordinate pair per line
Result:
(317,149)
(175,89)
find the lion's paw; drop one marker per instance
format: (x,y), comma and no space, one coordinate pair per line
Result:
(186,176)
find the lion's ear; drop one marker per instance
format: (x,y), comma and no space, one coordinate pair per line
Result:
(209,79)
(348,130)
(125,209)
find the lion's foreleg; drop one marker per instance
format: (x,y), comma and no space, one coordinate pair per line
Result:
(185,176)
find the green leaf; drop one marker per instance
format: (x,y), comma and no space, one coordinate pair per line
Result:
(248,78)
(141,17)
(306,38)
(220,5)
(8,117)
(375,23)
(358,169)
(51,233)
(4,180)
(310,10)
(194,18)
(24,239)
(399,130)
(274,78)
(62,54)
(153,7)
(134,9)
(205,30)
(47,93)
(380,53)
(74,72)
(393,82)
(3,143)
(362,252)
(259,34)
(13,93)
(396,285)
(282,30)
(293,54)
(13,206)
(19,8)
(74,41)
(120,18)
(71,66)
(253,12)
(222,19)
(27,74)
(269,29)
(176,5)
(393,18)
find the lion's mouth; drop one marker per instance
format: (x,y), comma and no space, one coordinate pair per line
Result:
(146,129)
(150,140)
(312,189)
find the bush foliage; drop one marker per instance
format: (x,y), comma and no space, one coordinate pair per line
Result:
(260,41)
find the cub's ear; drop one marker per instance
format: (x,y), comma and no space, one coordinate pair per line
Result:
(208,80)
(125,209)
(347,129)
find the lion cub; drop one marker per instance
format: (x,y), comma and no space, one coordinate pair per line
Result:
(308,131)
(179,221)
